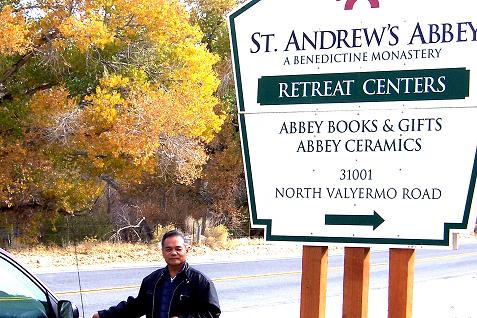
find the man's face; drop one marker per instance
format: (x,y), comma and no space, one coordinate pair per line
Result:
(174,251)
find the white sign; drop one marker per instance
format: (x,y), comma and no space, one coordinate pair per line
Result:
(358,118)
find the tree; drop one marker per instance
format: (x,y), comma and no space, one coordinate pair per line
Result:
(223,182)
(98,91)
(210,16)
(218,193)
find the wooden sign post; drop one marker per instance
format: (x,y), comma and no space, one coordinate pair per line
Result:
(347,114)
(356,282)
(401,281)
(313,281)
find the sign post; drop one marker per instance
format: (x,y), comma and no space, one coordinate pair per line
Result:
(401,281)
(313,282)
(357,121)
(356,282)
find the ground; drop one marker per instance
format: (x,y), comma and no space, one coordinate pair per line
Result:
(450,297)
(97,253)
(100,253)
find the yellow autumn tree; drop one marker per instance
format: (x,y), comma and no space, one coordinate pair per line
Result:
(95,90)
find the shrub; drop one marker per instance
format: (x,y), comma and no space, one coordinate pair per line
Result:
(160,230)
(217,237)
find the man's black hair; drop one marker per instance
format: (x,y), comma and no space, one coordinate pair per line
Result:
(171,233)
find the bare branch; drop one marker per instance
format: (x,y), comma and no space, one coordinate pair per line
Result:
(15,67)
(110,181)
(117,235)
(65,125)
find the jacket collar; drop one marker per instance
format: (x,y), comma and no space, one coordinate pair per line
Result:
(185,271)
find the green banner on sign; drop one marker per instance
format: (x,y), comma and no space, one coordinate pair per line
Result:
(386,86)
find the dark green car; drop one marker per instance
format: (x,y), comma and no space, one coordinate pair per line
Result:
(23,295)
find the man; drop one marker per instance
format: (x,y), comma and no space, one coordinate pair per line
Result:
(175,291)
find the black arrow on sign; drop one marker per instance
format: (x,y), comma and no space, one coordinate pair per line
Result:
(374,220)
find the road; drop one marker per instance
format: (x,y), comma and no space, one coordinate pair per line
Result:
(444,283)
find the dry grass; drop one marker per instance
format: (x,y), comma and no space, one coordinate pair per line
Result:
(90,253)
(110,254)
(100,253)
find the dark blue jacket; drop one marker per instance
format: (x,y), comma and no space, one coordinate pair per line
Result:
(194,297)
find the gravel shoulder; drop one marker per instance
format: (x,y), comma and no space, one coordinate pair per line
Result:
(93,254)
(90,255)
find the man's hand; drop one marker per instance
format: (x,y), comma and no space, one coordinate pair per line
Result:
(95,315)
